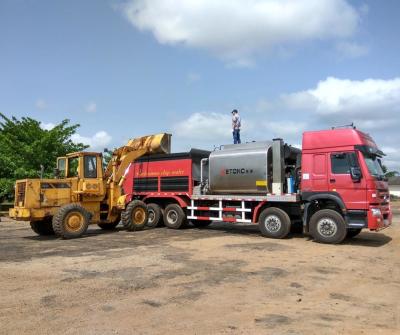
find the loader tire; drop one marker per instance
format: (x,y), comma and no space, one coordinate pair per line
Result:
(71,221)
(155,215)
(175,217)
(135,216)
(42,228)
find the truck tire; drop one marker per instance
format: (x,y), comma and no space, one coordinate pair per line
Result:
(71,221)
(274,223)
(108,226)
(135,216)
(43,227)
(353,232)
(174,217)
(328,226)
(155,214)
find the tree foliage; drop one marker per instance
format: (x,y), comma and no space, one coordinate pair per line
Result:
(25,146)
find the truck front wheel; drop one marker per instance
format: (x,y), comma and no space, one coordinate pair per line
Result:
(328,226)
(43,227)
(71,221)
(274,222)
(135,216)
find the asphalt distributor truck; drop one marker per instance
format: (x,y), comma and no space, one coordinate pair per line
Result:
(334,186)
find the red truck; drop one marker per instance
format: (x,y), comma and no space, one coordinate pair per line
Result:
(334,186)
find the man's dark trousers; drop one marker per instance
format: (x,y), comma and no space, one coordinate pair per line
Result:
(236,136)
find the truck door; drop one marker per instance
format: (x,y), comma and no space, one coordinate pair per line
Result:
(352,192)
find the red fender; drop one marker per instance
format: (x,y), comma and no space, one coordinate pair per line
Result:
(181,201)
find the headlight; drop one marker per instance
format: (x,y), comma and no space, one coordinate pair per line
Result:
(376,212)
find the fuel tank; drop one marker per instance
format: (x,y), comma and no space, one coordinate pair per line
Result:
(240,168)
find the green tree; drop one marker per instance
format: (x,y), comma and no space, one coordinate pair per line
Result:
(388,173)
(25,147)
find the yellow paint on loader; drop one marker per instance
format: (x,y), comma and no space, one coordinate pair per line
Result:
(83,181)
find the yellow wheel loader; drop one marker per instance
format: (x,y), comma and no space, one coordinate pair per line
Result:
(84,192)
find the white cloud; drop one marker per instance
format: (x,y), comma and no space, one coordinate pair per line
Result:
(352,49)
(343,100)
(47,126)
(91,107)
(41,104)
(97,142)
(207,126)
(236,30)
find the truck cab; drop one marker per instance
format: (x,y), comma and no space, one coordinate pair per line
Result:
(342,169)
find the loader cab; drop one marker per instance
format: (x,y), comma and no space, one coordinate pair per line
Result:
(83,169)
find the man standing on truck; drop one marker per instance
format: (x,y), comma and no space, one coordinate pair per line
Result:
(236,123)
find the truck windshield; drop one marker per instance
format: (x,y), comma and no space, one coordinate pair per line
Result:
(374,165)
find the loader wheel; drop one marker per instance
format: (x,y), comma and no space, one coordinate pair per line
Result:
(328,226)
(43,227)
(71,221)
(155,214)
(274,223)
(174,217)
(134,217)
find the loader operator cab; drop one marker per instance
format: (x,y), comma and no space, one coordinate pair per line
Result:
(80,165)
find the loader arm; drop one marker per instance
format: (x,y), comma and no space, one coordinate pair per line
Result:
(135,148)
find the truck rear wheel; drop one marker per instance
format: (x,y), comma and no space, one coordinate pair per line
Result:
(155,214)
(174,216)
(135,216)
(71,221)
(274,222)
(328,226)
(43,227)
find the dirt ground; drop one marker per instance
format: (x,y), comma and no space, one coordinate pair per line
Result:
(221,280)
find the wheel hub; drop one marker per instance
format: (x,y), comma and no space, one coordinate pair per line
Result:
(172,216)
(74,221)
(327,227)
(139,215)
(151,216)
(272,223)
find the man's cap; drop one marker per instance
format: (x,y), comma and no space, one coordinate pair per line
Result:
(234,111)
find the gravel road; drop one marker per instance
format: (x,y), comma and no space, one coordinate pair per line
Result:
(221,280)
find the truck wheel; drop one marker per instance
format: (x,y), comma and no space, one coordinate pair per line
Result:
(43,227)
(108,226)
(71,221)
(134,217)
(155,214)
(328,226)
(352,232)
(174,217)
(201,223)
(274,222)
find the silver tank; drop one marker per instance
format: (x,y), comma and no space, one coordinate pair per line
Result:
(240,168)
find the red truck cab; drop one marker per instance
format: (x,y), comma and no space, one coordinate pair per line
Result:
(342,167)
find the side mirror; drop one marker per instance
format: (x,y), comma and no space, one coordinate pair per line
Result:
(355,173)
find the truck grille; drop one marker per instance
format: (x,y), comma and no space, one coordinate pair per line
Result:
(20,194)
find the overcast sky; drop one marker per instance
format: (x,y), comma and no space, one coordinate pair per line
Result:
(128,68)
